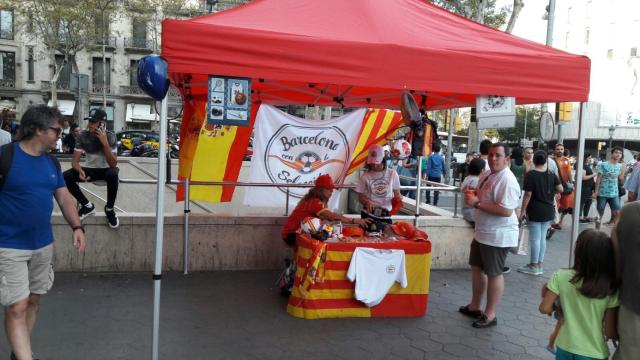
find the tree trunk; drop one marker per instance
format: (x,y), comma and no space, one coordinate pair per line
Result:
(54,80)
(517,7)
(479,15)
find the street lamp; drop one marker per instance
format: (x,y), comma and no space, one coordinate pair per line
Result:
(612,130)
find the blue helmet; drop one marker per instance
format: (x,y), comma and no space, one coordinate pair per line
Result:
(153,76)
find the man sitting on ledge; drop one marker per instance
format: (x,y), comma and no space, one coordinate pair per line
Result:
(101,151)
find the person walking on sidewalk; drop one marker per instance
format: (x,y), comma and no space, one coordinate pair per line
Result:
(609,173)
(436,167)
(540,187)
(588,182)
(101,151)
(565,202)
(32,180)
(496,230)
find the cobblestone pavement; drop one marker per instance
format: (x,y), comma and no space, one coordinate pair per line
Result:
(238,315)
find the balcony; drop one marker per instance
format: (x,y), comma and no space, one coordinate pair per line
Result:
(173,93)
(7,84)
(131,91)
(100,89)
(109,42)
(142,45)
(60,86)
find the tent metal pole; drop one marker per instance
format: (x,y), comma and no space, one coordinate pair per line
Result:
(185,238)
(157,271)
(578,181)
(418,189)
(452,115)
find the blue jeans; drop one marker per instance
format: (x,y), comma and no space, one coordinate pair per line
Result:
(565,355)
(614,204)
(538,240)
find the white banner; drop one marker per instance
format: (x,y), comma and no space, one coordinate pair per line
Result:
(288,149)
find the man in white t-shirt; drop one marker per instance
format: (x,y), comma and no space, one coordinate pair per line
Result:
(496,230)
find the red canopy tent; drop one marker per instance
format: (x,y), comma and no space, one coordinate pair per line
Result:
(361,53)
(364,53)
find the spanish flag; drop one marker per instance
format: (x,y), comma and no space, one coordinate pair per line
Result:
(210,153)
(377,125)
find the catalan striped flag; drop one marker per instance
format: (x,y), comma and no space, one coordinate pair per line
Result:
(217,156)
(377,125)
(321,288)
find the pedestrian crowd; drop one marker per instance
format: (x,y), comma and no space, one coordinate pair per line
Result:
(597,299)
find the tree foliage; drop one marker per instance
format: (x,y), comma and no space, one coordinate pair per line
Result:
(513,135)
(482,11)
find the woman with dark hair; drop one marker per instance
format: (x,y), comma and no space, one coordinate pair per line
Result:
(540,187)
(314,204)
(588,295)
(588,182)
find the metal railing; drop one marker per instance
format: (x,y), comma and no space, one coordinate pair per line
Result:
(101,89)
(60,85)
(431,186)
(131,90)
(138,43)
(7,84)
(108,41)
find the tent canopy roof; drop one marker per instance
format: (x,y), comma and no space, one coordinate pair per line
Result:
(365,53)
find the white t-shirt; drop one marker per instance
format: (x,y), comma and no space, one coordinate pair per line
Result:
(379,186)
(501,188)
(470,181)
(375,271)
(5,137)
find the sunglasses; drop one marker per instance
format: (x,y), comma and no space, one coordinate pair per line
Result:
(56,129)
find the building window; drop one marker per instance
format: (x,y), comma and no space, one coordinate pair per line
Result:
(65,72)
(30,65)
(139,33)
(100,80)
(610,54)
(133,73)
(634,52)
(6,24)
(7,65)
(587,33)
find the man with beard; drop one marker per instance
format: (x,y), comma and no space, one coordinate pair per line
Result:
(100,148)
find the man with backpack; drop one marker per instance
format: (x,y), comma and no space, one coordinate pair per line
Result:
(29,177)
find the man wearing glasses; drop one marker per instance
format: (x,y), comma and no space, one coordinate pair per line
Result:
(26,237)
(100,148)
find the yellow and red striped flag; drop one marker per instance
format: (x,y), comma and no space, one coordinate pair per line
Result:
(377,125)
(216,156)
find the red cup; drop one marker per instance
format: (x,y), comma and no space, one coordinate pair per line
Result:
(471,192)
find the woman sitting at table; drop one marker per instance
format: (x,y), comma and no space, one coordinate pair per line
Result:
(378,189)
(314,204)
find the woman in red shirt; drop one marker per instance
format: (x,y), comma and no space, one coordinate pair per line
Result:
(314,204)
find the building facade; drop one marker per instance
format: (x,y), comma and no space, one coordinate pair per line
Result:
(26,70)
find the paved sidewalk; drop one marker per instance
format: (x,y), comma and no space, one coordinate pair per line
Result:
(238,315)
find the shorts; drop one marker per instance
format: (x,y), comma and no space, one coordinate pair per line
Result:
(565,355)
(489,258)
(24,272)
(614,203)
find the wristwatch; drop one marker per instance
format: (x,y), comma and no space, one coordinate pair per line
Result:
(74,228)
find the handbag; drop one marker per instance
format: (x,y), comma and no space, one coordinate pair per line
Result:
(567,188)
(523,240)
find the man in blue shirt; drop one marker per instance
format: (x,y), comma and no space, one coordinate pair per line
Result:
(26,237)
(435,169)
(633,183)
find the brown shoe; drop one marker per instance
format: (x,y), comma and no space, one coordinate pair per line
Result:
(556,226)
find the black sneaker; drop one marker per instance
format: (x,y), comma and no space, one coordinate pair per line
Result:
(86,210)
(112,219)
(506,270)
(13,356)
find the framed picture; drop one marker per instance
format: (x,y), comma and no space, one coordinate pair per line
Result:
(229,101)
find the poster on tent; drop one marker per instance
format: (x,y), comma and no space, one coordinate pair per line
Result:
(494,112)
(229,101)
(291,150)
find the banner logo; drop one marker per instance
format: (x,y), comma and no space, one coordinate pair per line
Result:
(299,154)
